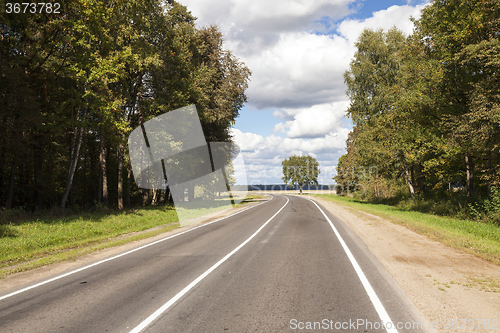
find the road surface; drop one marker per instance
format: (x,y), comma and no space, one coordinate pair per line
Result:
(286,265)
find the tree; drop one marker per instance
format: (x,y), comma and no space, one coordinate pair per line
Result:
(462,37)
(74,84)
(301,170)
(373,86)
(425,108)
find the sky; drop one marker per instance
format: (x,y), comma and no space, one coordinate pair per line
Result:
(297,51)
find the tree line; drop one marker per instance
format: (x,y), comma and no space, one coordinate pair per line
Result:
(74,84)
(425,108)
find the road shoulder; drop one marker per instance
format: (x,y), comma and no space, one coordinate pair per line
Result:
(443,283)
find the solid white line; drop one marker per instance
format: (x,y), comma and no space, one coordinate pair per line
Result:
(123,254)
(382,313)
(174,299)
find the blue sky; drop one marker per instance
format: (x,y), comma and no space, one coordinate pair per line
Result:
(297,52)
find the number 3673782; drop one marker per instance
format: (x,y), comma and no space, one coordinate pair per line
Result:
(33,7)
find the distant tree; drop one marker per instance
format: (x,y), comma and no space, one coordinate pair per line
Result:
(301,170)
(346,177)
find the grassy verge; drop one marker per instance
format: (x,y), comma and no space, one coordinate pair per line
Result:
(28,241)
(31,240)
(479,239)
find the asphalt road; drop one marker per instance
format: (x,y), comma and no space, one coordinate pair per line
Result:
(281,266)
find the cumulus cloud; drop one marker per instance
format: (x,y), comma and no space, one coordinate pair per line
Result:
(300,70)
(276,146)
(265,16)
(247,141)
(292,66)
(398,16)
(313,122)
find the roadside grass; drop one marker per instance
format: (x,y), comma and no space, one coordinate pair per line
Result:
(28,241)
(477,238)
(252,198)
(31,240)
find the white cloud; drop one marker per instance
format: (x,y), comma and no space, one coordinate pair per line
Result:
(316,121)
(276,146)
(398,16)
(256,16)
(300,70)
(247,141)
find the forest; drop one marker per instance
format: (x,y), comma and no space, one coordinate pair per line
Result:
(425,110)
(74,84)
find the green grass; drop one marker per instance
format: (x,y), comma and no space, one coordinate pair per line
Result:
(27,242)
(190,211)
(477,238)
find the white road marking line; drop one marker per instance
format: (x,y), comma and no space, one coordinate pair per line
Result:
(382,313)
(174,299)
(123,254)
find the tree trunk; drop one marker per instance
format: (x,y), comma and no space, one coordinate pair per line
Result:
(37,177)
(489,173)
(99,185)
(120,176)
(191,192)
(421,179)
(470,174)
(300,187)
(154,200)
(145,196)
(10,192)
(2,171)
(84,200)
(129,171)
(408,181)
(24,184)
(75,152)
(168,196)
(102,161)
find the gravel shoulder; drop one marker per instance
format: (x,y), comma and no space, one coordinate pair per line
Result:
(443,283)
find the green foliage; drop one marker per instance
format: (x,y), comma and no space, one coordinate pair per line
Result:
(487,209)
(426,108)
(73,85)
(301,170)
